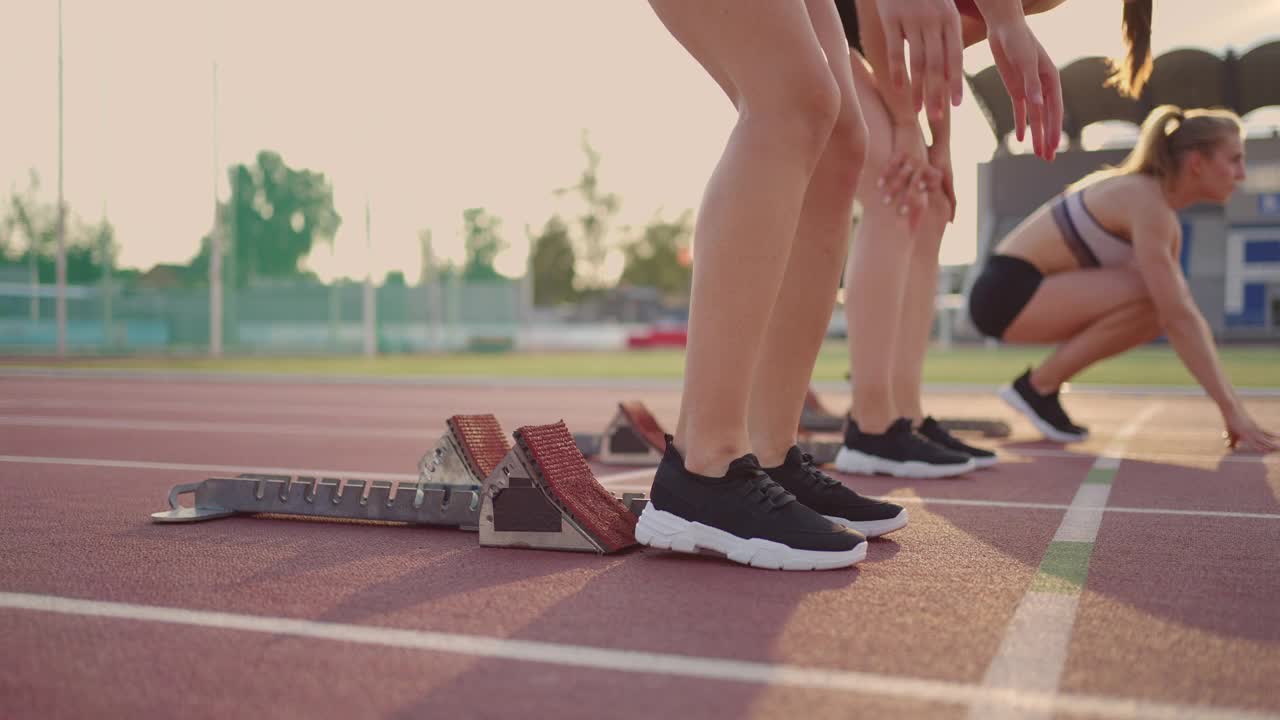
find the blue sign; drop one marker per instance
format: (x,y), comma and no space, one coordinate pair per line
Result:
(1269,204)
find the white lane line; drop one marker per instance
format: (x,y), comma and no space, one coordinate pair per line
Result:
(339,428)
(236,469)
(1224,456)
(156,375)
(630,661)
(903,500)
(1034,648)
(622,478)
(263,407)
(202,468)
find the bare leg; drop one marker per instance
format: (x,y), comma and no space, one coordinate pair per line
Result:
(803,309)
(766,54)
(1126,327)
(917,312)
(1095,313)
(875,276)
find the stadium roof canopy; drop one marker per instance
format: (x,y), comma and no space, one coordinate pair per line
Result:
(1187,78)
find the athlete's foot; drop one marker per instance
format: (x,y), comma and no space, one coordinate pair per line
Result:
(744,516)
(898,451)
(934,431)
(1044,411)
(819,491)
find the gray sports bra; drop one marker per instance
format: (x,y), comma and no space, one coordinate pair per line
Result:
(1092,245)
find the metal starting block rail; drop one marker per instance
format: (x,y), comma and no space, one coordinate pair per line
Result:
(539,494)
(413,503)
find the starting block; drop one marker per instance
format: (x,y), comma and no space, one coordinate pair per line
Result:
(816,418)
(543,495)
(632,437)
(987,427)
(539,494)
(447,493)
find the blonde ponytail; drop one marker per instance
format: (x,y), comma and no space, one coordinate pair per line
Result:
(1169,133)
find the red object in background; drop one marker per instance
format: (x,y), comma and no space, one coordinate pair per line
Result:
(660,335)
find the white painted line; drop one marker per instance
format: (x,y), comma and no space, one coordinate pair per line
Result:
(1107,462)
(501,381)
(201,468)
(339,428)
(1033,650)
(630,661)
(1224,456)
(609,480)
(1041,624)
(912,499)
(1084,515)
(629,476)
(264,406)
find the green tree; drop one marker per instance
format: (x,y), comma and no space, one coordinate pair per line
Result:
(551,263)
(394,278)
(655,258)
(482,242)
(90,248)
(593,224)
(275,215)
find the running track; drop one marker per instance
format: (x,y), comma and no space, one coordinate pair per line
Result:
(1009,595)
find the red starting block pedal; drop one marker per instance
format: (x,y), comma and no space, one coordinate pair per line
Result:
(543,495)
(632,437)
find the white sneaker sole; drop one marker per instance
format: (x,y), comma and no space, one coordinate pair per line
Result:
(660,529)
(986,462)
(1015,401)
(873,528)
(854,462)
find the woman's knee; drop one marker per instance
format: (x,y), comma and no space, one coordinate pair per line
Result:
(803,114)
(1147,319)
(846,149)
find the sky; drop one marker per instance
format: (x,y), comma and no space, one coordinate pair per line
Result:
(423,109)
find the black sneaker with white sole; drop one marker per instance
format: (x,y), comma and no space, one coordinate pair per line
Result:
(819,491)
(1044,411)
(744,516)
(898,451)
(934,431)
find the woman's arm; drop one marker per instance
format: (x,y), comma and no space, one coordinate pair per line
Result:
(1028,73)
(908,174)
(940,159)
(1155,241)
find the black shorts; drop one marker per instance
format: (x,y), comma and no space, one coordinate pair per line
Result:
(1004,287)
(849,19)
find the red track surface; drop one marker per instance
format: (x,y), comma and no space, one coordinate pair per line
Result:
(1179,609)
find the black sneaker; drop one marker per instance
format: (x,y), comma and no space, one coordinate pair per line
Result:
(931,429)
(745,516)
(819,491)
(1044,411)
(898,451)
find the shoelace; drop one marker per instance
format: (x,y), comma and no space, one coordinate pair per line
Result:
(769,491)
(911,437)
(941,436)
(811,469)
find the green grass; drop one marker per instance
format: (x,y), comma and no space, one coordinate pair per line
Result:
(1245,366)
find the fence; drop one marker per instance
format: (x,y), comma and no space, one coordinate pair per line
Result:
(451,315)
